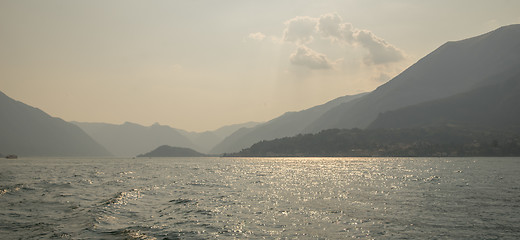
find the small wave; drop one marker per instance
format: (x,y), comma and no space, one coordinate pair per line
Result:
(132,234)
(4,191)
(10,189)
(432,179)
(204,212)
(184,235)
(122,198)
(138,235)
(197,184)
(51,184)
(208,185)
(182,201)
(85,181)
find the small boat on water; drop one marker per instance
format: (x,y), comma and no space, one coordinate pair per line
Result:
(11,156)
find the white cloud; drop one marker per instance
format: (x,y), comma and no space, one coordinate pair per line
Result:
(307,57)
(332,26)
(300,29)
(256,36)
(379,51)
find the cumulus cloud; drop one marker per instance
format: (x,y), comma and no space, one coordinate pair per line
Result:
(307,57)
(300,29)
(379,51)
(332,26)
(256,36)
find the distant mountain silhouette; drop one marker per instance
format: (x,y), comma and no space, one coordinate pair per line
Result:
(225,131)
(492,106)
(205,141)
(168,151)
(289,124)
(232,143)
(28,131)
(130,139)
(453,68)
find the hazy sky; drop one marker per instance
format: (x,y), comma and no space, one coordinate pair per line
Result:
(202,64)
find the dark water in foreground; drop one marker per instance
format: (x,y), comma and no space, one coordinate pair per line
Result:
(219,198)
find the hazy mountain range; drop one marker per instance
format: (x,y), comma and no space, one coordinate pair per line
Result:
(460,100)
(28,131)
(492,106)
(289,124)
(473,82)
(454,68)
(205,141)
(130,139)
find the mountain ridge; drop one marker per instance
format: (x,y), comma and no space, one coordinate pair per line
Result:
(29,131)
(129,139)
(209,139)
(460,100)
(454,67)
(491,106)
(287,124)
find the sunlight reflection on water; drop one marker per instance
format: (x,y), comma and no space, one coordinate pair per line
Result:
(334,198)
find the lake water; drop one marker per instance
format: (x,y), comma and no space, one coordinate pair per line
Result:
(271,198)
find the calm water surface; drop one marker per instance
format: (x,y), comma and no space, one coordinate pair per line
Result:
(260,198)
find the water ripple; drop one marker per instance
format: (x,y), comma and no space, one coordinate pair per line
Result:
(219,198)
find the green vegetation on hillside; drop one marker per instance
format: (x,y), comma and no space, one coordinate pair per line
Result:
(414,142)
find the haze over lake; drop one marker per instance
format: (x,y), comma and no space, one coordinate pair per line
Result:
(235,119)
(201,65)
